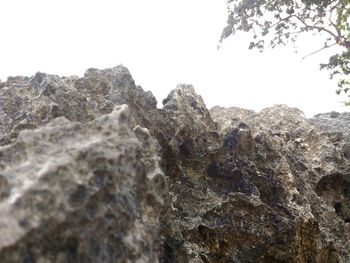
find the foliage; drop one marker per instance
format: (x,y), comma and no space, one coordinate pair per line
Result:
(277,22)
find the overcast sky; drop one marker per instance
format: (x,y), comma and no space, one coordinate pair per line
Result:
(163,43)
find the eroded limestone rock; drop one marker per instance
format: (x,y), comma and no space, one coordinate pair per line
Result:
(81,192)
(82,177)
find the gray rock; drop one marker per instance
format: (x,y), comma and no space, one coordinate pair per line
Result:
(228,117)
(81,192)
(84,179)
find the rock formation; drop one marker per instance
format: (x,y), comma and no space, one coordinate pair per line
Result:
(92,171)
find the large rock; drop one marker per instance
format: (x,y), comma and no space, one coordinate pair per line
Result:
(73,192)
(82,177)
(31,102)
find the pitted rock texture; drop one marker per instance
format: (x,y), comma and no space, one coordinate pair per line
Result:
(86,178)
(78,192)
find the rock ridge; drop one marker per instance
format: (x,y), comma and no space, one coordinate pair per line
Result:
(92,171)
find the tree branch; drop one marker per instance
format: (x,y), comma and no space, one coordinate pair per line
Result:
(281,20)
(336,38)
(325,47)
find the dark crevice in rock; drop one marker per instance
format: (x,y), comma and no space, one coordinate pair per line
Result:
(335,189)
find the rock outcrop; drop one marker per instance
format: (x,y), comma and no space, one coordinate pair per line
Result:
(92,171)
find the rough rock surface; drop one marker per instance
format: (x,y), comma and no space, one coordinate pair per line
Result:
(74,192)
(86,178)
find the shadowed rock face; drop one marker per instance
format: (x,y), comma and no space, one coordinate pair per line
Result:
(92,171)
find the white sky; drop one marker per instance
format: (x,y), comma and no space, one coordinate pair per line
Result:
(162,43)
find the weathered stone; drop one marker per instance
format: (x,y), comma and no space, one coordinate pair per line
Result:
(81,193)
(228,117)
(82,177)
